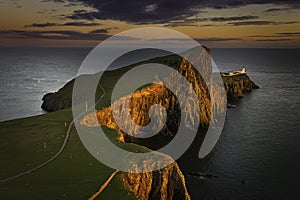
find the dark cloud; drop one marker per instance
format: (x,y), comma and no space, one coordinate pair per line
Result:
(42,25)
(192,22)
(67,3)
(239,18)
(188,22)
(99,31)
(70,5)
(163,11)
(278,35)
(48,24)
(264,36)
(80,24)
(260,23)
(47,11)
(212,39)
(55,35)
(273,40)
(280,9)
(82,14)
(277,10)
(56,1)
(289,33)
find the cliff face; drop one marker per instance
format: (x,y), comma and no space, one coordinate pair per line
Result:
(167,183)
(141,101)
(236,85)
(54,102)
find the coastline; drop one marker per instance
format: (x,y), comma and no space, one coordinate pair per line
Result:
(66,109)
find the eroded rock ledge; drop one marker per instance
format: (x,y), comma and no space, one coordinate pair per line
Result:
(167,183)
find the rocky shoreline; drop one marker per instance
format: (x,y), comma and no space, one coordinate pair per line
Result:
(236,86)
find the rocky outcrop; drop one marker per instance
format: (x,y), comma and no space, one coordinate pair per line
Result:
(54,102)
(164,184)
(63,97)
(236,85)
(141,101)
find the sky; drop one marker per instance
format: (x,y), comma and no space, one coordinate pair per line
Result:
(214,23)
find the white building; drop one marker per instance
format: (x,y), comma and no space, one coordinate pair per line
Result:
(233,73)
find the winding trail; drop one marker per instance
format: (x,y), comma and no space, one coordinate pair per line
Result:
(63,146)
(105,184)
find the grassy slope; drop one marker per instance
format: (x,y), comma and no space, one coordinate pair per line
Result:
(109,79)
(74,175)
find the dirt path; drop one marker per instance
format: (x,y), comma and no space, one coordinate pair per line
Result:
(105,184)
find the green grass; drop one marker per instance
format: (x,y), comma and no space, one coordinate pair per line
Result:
(75,174)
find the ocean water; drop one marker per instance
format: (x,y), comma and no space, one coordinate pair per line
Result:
(26,74)
(257,156)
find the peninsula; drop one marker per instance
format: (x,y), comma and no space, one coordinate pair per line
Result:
(37,139)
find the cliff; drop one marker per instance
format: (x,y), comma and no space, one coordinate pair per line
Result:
(140,103)
(167,183)
(235,86)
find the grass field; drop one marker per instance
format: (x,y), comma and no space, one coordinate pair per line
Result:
(75,174)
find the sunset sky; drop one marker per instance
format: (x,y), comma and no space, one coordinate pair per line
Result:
(215,23)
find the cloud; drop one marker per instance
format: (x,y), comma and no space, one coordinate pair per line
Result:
(56,34)
(289,33)
(82,14)
(212,39)
(278,35)
(192,22)
(264,36)
(163,11)
(280,9)
(187,22)
(42,25)
(273,40)
(56,1)
(215,39)
(97,35)
(99,31)
(47,11)
(260,23)
(48,24)
(81,24)
(238,18)
(277,9)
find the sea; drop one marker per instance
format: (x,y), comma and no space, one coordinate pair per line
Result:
(258,153)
